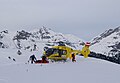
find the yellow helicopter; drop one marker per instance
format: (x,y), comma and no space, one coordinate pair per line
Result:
(63,52)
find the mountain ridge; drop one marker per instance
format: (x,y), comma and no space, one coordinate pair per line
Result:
(26,39)
(107,43)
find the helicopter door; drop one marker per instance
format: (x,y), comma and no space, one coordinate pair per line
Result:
(62,53)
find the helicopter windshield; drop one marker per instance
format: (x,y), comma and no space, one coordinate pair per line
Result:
(49,51)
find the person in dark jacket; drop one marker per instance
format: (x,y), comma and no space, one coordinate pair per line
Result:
(32,58)
(73,57)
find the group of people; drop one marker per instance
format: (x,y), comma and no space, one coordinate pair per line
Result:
(33,59)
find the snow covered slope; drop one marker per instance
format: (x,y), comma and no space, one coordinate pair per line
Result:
(107,43)
(83,71)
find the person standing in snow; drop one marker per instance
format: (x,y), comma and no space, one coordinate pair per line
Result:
(32,58)
(73,57)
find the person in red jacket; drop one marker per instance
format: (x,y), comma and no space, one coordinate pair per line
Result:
(44,60)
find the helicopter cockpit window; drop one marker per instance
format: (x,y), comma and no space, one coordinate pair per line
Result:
(49,51)
(45,48)
(62,52)
(55,51)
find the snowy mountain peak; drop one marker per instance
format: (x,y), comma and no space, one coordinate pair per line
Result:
(39,37)
(106,34)
(107,43)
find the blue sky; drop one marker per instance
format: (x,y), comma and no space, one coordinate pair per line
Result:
(83,18)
